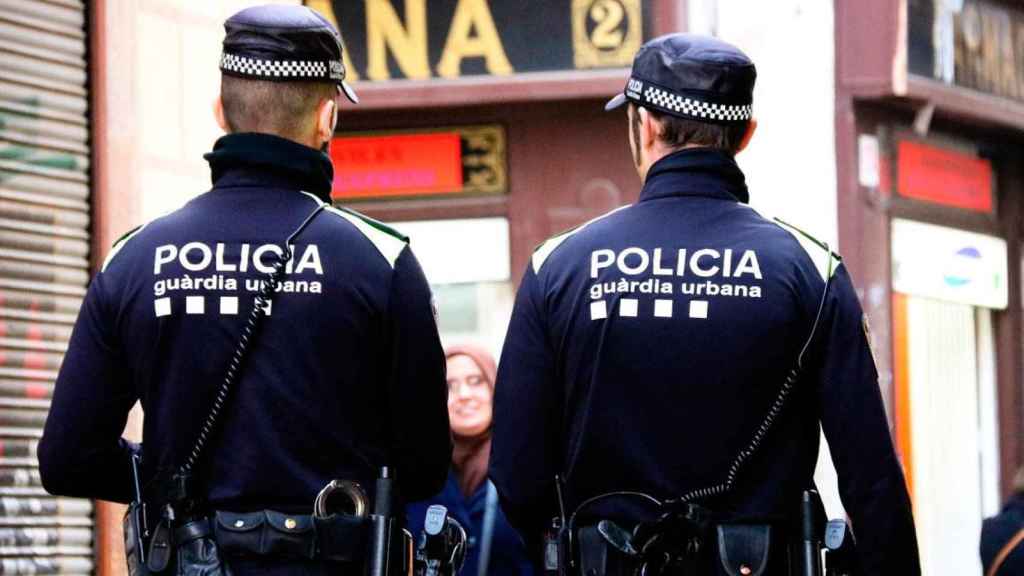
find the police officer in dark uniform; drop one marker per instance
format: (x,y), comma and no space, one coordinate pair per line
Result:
(1002,551)
(647,347)
(346,373)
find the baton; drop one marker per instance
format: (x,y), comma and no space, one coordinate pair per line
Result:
(381,523)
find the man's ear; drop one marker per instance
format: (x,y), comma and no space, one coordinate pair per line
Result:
(751,128)
(649,129)
(218,114)
(327,119)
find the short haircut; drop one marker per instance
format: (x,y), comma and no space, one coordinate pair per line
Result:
(678,132)
(281,108)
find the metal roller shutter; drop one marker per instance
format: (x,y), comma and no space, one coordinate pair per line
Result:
(44,267)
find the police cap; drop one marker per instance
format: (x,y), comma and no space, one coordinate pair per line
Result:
(284,44)
(690,76)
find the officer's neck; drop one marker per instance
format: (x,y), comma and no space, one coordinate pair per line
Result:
(257,158)
(656,151)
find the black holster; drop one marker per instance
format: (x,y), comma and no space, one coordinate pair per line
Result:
(733,549)
(180,542)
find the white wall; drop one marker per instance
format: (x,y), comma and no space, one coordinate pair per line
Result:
(175,80)
(791,162)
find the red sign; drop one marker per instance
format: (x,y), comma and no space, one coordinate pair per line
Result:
(396,165)
(944,177)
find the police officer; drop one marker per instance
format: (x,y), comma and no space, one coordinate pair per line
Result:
(647,346)
(1002,535)
(346,373)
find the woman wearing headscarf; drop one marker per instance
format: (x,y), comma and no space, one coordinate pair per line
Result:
(468,495)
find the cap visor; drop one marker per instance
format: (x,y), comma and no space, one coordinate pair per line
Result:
(615,102)
(348,91)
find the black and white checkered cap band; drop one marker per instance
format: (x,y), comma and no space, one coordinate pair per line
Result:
(659,98)
(283,69)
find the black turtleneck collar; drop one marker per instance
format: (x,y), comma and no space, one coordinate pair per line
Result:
(701,172)
(268,161)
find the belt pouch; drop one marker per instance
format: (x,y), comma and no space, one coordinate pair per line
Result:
(239,534)
(342,537)
(744,549)
(289,535)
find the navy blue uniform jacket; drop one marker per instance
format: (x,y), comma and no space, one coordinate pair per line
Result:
(646,346)
(997,531)
(345,375)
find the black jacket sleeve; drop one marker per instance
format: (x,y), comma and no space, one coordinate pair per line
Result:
(526,448)
(871,482)
(81,452)
(416,385)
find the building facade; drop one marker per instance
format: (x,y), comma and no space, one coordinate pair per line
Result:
(929,119)
(889,128)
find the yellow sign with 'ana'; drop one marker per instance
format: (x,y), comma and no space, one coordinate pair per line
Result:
(420,40)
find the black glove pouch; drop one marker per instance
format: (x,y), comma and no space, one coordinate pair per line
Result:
(196,552)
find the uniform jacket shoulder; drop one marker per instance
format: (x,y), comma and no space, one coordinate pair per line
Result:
(825,260)
(388,241)
(126,241)
(545,249)
(119,243)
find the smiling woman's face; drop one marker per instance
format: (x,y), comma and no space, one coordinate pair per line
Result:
(469,397)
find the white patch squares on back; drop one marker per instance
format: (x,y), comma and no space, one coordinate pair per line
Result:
(162,307)
(229,304)
(598,310)
(698,308)
(662,308)
(628,307)
(195,305)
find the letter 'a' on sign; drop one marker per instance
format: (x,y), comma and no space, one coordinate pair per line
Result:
(462,42)
(386,36)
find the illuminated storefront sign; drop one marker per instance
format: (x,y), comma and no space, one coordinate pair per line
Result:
(948,264)
(463,160)
(417,39)
(944,176)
